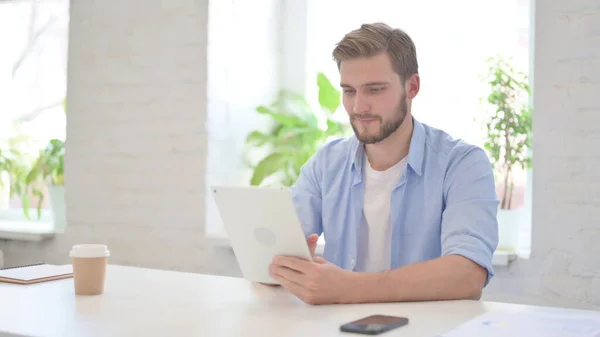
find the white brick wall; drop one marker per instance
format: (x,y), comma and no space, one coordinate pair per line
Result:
(565,264)
(136,137)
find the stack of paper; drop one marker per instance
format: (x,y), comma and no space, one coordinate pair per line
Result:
(528,324)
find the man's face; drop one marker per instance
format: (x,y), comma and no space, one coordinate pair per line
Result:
(374,97)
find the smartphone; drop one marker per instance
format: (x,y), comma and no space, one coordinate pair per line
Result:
(374,324)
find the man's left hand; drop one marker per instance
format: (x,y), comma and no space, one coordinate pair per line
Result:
(314,282)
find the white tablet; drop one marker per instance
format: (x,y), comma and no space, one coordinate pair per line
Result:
(261,222)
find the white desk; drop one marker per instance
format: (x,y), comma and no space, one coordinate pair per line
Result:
(144,302)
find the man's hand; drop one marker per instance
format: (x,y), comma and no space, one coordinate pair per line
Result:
(312,246)
(314,282)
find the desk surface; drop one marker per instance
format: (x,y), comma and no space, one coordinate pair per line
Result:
(145,302)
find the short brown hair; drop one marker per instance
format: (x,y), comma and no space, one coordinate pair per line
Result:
(374,38)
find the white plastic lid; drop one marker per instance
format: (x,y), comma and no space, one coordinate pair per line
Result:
(89,251)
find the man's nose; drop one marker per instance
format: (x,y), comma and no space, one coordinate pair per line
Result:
(361,105)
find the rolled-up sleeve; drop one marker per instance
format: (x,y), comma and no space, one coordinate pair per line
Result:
(306,194)
(469,222)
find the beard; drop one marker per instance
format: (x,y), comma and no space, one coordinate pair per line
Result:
(386,128)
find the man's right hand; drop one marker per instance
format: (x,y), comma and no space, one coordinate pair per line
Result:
(312,247)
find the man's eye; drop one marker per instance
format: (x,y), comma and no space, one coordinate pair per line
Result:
(376,89)
(348,91)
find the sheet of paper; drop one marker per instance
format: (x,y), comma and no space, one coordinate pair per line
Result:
(526,324)
(35,272)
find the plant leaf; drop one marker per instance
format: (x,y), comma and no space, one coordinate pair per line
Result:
(287,120)
(257,138)
(266,167)
(329,96)
(334,128)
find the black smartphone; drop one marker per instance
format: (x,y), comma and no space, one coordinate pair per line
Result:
(374,324)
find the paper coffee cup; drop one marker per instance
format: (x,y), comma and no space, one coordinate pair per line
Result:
(89,268)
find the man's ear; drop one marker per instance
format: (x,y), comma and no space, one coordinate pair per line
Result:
(412,86)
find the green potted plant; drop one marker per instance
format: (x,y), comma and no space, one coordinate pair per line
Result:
(47,172)
(15,163)
(295,135)
(509,128)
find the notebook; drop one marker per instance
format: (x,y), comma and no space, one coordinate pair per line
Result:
(35,273)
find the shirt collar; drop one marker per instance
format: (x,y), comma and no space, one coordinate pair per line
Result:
(416,151)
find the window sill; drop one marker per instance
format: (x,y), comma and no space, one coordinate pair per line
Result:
(26,230)
(14,226)
(500,259)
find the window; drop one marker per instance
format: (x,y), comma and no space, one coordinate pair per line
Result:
(33,74)
(454,40)
(243,73)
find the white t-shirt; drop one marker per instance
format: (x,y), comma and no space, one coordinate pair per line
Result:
(374,250)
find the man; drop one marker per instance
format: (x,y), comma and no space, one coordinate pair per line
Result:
(407,212)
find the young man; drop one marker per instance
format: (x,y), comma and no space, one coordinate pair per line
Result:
(407,212)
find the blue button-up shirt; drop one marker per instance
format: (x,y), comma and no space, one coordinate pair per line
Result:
(444,203)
